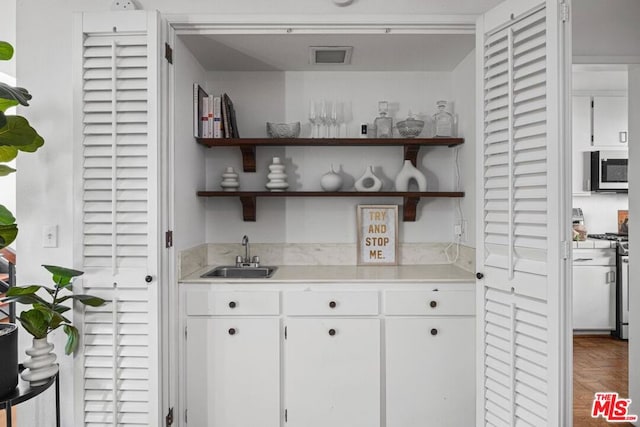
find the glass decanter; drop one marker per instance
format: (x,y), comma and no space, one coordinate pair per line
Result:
(443,120)
(383,124)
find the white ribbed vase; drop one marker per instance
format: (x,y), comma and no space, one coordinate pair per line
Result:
(406,174)
(277,178)
(40,366)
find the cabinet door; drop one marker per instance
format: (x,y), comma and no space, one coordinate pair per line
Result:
(332,372)
(233,372)
(581,143)
(594,293)
(430,372)
(610,121)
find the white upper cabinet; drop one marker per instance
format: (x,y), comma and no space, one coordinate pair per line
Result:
(581,143)
(610,121)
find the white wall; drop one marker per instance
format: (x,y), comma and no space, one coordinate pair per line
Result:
(8,33)
(285,96)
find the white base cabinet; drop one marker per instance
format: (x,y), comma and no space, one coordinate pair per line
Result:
(304,355)
(332,371)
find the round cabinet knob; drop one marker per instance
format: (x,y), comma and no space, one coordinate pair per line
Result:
(434,331)
(232,331)
(433,304)
(332,304)
(233,304)
(479,276)
(332,332)
(148,279)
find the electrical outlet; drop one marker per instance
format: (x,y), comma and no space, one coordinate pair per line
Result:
(460,231)
(123,5)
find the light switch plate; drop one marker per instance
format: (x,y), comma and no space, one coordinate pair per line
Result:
(50,236)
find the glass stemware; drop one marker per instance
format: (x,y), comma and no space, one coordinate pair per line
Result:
(314,119)
(324,118)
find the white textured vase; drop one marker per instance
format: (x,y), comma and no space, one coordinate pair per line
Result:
(229,180)
(331,181)
(406,174)
(368,182)
(40,366)
(277,178)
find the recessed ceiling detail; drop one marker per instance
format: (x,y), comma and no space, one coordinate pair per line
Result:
(330,54)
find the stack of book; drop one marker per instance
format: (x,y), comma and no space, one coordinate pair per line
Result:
(213,116)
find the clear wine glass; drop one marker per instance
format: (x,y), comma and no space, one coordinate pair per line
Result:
(333,119)
(339,118)
(324,117)
(314,119)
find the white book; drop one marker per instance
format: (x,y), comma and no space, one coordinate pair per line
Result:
(205,117)
(217,117)
(198,95)
(210,116)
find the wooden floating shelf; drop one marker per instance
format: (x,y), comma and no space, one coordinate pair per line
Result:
(410,199)
(248,145)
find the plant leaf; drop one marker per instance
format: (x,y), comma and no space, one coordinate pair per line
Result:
(5,104)
(7,153)
(34,322)
(3,119)
(61,308)
(72,339)
(62,276)
(23,290)
(8,234)
(89,300)
(37,142)
(18,133)
(6,170)
(19,94)
(6,217)
(6,51)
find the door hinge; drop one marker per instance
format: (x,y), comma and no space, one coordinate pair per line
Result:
(286,415)
(566,249)
(285,332)
(168,239)
(168,53)
(169,418)
(564,11)
(185,332)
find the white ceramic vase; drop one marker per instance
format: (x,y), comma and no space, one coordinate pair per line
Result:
(331,181)
(277,178)
(408,173)
(40,366)
(229,180)
(368,182)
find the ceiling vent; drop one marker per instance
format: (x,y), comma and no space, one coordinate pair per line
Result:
(330,54)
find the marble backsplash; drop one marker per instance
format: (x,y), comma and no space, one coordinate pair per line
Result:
(201,256)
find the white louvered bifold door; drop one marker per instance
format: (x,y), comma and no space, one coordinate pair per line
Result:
(116,178)
(519,214)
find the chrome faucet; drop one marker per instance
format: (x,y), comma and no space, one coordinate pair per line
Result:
(247,260)
(245,243)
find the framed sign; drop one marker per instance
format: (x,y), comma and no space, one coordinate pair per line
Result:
(377,234)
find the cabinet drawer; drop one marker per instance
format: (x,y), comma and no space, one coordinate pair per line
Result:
(202,303)
(329,303)
(594,257)
(429,303)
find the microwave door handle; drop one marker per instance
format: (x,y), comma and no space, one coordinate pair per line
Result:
(622,137)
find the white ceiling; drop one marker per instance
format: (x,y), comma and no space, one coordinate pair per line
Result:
(383,52)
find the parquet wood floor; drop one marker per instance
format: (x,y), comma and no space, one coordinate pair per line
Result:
(600,363)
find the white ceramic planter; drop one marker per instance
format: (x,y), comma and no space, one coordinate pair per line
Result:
(40,366)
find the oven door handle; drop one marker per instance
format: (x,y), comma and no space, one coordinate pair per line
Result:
(582,259)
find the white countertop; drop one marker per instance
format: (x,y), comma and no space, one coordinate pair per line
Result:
(594,244)
(348,273)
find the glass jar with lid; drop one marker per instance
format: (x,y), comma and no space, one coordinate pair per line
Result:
(443,121)
(383,124)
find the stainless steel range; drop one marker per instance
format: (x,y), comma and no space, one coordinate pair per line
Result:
(622,291)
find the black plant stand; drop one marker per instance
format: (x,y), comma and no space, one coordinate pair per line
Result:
(25,392)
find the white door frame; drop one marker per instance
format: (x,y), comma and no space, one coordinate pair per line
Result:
(174,25)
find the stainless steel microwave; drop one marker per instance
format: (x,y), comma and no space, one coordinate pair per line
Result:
(609,171)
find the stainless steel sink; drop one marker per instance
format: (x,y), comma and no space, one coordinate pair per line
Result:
(232,272)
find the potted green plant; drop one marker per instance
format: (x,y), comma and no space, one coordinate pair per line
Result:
(46,315)
(15,135)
